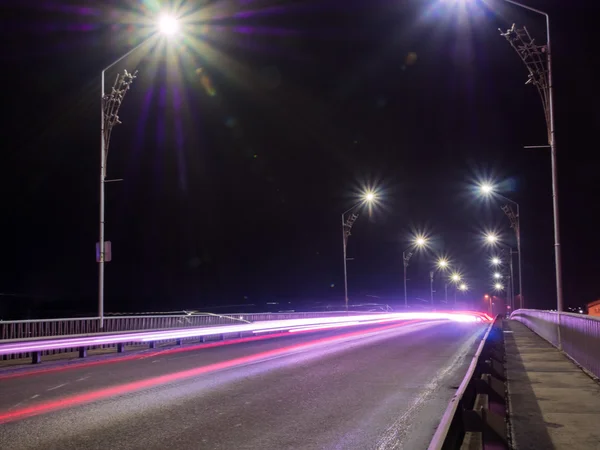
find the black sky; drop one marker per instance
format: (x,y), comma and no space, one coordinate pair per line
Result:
(239,198)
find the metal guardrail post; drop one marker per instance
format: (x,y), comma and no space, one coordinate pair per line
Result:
(558,332)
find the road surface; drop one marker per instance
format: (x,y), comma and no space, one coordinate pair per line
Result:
(367,387)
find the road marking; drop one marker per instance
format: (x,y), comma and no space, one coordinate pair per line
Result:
(83,378)
(56,387)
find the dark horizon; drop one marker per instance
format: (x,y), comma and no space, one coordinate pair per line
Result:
(238,161)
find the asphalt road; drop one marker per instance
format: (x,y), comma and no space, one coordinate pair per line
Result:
(377,387)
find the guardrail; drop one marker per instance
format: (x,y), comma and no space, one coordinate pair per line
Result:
(234,326)
(21,329)
(475,417)
(577,335)
(27,329)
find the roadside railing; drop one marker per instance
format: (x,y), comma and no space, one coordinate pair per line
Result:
(21,329)
(29,329)
(475,418)
(577,335)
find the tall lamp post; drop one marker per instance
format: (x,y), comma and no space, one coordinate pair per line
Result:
(442,264)
(538,61)
(515,224)
(347,222)
(455,278)
(418,242)
(109,109)
(463,287)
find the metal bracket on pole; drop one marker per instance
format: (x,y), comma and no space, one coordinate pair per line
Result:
(534,58)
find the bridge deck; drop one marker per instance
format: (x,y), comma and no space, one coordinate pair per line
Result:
(554,404)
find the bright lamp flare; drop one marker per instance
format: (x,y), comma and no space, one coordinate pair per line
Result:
(442,263)
(455,277)
(420,241)
(497,276)
(463,287)
(491,238)
(486,188)
(370,196)
(168,25)
(498,286)
(495,261)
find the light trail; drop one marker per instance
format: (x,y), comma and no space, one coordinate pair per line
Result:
(126,388)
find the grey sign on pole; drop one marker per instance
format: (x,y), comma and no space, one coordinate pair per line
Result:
(107,251)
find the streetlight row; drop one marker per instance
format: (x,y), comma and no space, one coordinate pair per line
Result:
(537,59)
(419,241)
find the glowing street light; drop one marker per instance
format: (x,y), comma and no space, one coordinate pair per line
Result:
(491,238)
(442,264)
(497,276)
(486,188)
(463,287)
(109,108)
(498,286)
(455,278)
(496,261)
(368,198)
(168,25)
(419,241)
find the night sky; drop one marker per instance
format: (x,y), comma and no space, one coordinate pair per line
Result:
(244,139)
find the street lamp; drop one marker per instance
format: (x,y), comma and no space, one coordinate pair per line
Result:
(538,61)
(419,241)
(109,109)
(496,261)
(497,276)
(168,25)
(488,189)
(442,264)
(367,198)
(491,238)
(498,286)
(463,287)
(455,278)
